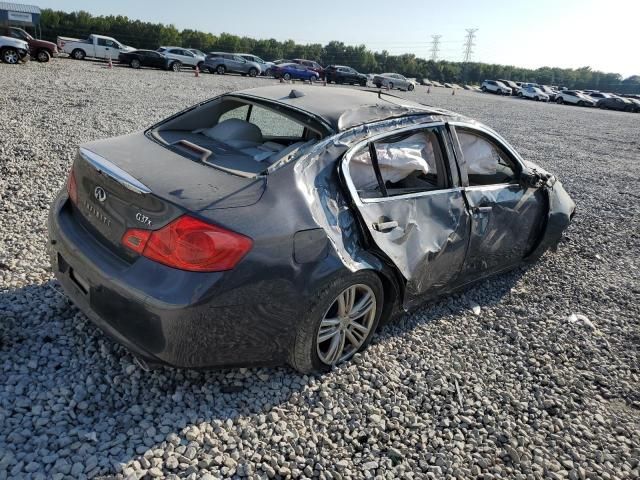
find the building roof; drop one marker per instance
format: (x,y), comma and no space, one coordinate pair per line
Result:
(19,7)
(342,108)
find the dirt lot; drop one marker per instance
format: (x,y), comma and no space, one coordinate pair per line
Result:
(517,391)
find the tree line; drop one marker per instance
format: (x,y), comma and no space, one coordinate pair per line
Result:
(151,35)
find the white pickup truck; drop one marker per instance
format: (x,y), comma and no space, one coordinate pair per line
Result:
(96,46)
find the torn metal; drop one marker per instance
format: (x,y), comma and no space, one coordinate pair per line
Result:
(440,239)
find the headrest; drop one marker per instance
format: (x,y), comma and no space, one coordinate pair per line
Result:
(234,129)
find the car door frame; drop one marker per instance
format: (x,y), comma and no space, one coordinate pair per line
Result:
(417,290)
(475,213)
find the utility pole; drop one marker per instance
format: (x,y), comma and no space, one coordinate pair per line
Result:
(435,47)
(468,50)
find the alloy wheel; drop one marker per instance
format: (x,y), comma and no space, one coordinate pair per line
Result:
(346,325)
(43,56)
(10,56)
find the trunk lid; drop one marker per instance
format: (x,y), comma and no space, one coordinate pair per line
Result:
(132,182)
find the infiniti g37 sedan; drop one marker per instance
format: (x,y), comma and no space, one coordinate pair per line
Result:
(273,226)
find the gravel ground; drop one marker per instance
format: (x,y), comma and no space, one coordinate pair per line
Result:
(498,382)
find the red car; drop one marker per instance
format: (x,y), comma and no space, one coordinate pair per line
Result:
(311,65)
(41,50)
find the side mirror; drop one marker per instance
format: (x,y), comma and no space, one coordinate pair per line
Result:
(531,178)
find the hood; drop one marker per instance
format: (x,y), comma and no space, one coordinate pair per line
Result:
(14,42)
(43,43)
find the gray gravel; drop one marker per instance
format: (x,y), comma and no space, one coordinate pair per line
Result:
(534,374)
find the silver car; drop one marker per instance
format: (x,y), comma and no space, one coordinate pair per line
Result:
(265,67)
(222,62)
(393,80)
(184,56)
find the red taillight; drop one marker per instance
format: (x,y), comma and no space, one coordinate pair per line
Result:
(190,244)
(72,187)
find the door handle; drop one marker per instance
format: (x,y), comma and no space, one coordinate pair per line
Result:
(385,226)
(479,210)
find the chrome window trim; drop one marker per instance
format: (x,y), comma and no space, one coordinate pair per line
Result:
(493,186)
(408,196)
(359,202)
(113,171)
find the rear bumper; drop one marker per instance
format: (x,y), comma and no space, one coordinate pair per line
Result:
(163,315)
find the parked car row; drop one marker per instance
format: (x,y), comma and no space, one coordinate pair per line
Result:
(545,93)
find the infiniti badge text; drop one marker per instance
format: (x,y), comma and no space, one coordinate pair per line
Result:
(96,213)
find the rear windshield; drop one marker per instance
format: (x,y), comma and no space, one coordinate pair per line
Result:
(238,135)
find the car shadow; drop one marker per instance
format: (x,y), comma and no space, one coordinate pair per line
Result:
(67,386)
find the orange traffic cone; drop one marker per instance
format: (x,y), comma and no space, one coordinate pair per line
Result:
(197,71)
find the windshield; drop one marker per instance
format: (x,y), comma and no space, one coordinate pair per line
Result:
(21,34)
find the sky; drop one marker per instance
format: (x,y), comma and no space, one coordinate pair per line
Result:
(556,33)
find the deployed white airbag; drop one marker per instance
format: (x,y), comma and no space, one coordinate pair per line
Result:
(480,156)
(396,160)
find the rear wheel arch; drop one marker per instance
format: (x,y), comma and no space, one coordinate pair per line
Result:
(303,355)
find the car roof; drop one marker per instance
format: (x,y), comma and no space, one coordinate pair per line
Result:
(342,108)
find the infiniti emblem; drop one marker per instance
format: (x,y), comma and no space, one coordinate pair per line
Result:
(100,194)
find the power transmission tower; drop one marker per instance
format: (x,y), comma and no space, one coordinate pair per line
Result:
(468,44)
(468,50)
(435,46)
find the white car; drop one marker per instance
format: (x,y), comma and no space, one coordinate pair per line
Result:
(266,68)
(495,86)
(96,46)
(534,93)
(575,97)
(13,50)
(183,55)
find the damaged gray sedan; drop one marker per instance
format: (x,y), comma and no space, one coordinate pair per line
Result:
(274,226)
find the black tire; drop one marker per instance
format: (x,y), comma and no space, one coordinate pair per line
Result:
(580,103)
(536,98)
(43,56)
(287,76)
(211,70)
(520,94)
(559,101)
(363,83)
(78,54)
(200,64)
(253,72)
(410,87)
(268,73)
(484,89)
(134,63)
(10,56)
(221,69)
(176,66)
(304,355)
(390,85)
(378,85)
